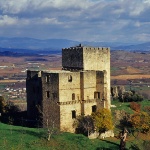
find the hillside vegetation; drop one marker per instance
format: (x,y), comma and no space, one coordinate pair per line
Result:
(22,138)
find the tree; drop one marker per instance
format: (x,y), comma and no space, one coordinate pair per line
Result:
(102,120)
(11,108)
(135,106)
(49,117)
(84,125)
(131,96)
(2,104)
(141,122)
(123,137)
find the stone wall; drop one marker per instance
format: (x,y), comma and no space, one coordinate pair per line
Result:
(69,84)
(72,58)
(34,93)
(89,58)
(95,135)
(50,97)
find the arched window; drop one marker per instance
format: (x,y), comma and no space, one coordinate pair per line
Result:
(73,96)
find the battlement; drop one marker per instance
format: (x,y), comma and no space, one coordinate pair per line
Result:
(85,58)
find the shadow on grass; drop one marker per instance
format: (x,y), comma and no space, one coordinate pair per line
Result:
(39,134)
(114,146)
(111,143)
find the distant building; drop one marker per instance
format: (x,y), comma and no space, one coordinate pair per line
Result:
(82,86)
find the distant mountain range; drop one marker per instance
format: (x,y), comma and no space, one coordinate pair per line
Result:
(30,45)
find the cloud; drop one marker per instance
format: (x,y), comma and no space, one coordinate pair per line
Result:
(99,20)
(6,20)
(17,6)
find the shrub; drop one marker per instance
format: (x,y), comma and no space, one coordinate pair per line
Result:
(84,125)
(135,106)
(147,109)
(2,104)
(137,98)
(122,119)
(102,120)
(130,96)
(141,121)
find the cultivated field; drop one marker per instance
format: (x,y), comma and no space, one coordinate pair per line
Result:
(125,66)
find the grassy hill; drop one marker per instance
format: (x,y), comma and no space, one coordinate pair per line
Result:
(22,138)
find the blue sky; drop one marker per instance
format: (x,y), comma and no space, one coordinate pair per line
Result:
(81,20)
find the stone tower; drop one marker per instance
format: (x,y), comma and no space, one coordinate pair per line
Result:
(88,58)
(81,87)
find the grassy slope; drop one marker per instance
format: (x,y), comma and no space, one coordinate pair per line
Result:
(22,138)
(131,139)
(126,106)
(15,137)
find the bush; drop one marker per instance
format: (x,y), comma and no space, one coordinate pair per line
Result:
(2,104)
(137,98)
(141,121)
(147,109)
(103,120)
(135,106)
(84,125)
(121,118)
(131,96)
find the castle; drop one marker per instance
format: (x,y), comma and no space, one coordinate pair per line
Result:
(81,87)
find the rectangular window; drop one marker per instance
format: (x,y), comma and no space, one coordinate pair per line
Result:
(47,94)
(73,96)
(97,95)
(69,78)
(94,108)
(73,114)
(47,78)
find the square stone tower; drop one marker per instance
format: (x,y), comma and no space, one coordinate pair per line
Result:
(88,58)
(81,87)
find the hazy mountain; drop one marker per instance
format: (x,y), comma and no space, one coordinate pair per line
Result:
(28,44)
(138,47)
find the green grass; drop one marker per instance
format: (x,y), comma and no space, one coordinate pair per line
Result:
(121,106)
(22,138)
(2,86)
(144,104)
(126,106)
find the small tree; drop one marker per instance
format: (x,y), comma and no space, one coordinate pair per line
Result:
(141,122)
(2,104)
(49,117)
(102,120)
(84,125)
(11,108)
(135,106)
(131,96)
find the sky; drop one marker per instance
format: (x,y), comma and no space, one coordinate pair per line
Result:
(80,20)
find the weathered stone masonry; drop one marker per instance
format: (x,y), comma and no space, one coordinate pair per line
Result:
(82,86)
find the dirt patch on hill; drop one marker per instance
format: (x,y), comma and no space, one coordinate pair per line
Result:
(125,77)
(132,70)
